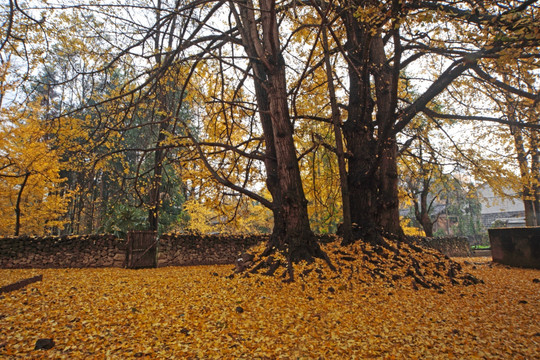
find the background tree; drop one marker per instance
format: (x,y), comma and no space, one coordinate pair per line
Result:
(30,182)
(422,174)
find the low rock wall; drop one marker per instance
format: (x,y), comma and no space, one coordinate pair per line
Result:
(108,251)
(62,252)
(173,250)
(178,250)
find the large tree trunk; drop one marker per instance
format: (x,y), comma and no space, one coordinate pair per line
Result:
(388,204)
(298,233)
(270,161)
(291,221)
(261,94)
(373,178)
(359,132)
(372,142)
(360,180)
(387,171)
(535,169)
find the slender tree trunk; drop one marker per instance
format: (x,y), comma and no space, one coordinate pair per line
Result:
(535,170)
(91,206)
(18,205)
(421,211)
(336,120)
(527,190)
(427,225)
(104,194)
(422,214)
(155,189)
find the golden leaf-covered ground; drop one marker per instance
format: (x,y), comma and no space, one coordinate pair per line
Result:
(199,313)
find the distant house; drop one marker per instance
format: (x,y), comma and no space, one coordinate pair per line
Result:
(445,223)
(509,210)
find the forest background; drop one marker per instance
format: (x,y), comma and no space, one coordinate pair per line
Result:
(283,117)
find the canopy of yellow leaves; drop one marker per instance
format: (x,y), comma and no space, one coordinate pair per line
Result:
(200,313)
(25,149)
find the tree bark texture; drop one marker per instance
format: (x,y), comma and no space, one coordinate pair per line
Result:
(535,169)
(358,128)
(250,38)
(291,205)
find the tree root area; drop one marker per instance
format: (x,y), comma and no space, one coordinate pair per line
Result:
(396,263)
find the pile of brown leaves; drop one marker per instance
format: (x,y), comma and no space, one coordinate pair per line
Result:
(388,263)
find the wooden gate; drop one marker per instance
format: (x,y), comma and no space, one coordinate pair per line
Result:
(142,249)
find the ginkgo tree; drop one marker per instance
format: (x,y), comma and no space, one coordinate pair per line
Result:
(422,173)
(519,137)
(33,200)
(385,41)
(263,73)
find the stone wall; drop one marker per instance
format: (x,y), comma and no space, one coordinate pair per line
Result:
(178,250)
(108,251)
(173,250)
(62,252)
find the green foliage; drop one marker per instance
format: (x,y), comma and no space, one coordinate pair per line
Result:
(123,218)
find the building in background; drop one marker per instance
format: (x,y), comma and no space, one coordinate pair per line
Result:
(500,210)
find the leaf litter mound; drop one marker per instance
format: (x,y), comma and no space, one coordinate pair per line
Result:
(389,262)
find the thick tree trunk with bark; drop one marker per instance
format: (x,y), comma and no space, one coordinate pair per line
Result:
(374,120)
(385,80)
(246,17)
(388,203)
(298,233)
(270,162)
(360,180)
(372,176)
(292,232)
(358,131)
